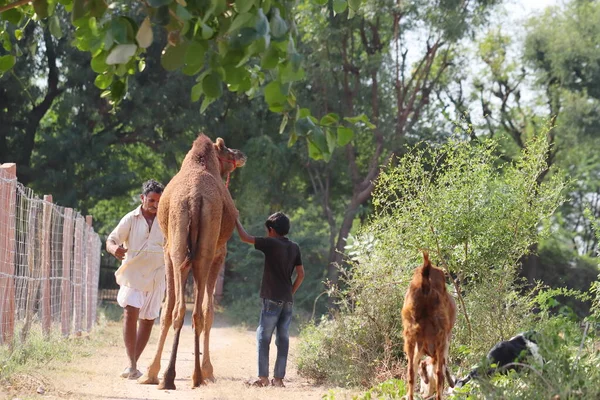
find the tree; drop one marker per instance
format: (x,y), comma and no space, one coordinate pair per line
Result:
(363,67)
(242,44)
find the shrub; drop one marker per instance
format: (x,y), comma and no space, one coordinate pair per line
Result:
(477,215)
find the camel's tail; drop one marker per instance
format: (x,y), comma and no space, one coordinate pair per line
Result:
(193,240)
(425,272)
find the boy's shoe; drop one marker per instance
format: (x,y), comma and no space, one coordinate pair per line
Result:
(277,382)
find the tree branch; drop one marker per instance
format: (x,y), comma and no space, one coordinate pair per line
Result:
(14,5)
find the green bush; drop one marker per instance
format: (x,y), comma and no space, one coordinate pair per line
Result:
(477,215)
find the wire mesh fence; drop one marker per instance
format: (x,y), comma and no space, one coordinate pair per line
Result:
(49,264)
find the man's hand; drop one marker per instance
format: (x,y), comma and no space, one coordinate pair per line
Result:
(120,253)
(116,250)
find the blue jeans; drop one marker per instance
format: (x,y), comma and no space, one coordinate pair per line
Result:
(274,314)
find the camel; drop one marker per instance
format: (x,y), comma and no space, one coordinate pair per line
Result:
(197,216)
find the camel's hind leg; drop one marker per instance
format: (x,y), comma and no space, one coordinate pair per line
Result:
(203,261)
(168,381)
(151,376)
(178,249)
(209,311)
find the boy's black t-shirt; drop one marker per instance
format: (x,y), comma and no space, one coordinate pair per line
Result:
(281,257)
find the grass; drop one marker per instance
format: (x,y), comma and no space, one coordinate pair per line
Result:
(20,363)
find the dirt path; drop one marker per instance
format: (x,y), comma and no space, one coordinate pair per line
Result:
(233,353)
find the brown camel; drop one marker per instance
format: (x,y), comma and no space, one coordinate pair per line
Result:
(197,216)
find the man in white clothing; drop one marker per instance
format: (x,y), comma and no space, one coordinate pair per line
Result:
(138,242)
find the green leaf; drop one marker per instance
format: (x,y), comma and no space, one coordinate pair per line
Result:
(331,139)
(354,4)
(273,94)
(121,54)
(243,38)
(195,53)
(144,36)
(183,13)
(18,34)
(103,81)
(212,85)
(278,26)
(292,139)
(99,64)
(360,118)
(79,10)
(54,27)
(270,58)
(262,23)
(207,32)
(244,6)
(205,103)
(41,8)
(283,124)
(321,2)
(240,21)
(234,75)
(305,126)
(96,8)
(13,16)
(173,57)
(339,6)
(313,150)
(159,3)
(196,92)
(329,119)
(121,30)
(289,74)
(344,135)
(7,62)
(117,90)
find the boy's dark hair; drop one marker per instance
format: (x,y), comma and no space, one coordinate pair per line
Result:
(152,186)
(279,222)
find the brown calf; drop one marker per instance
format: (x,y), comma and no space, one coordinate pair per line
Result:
(428,315)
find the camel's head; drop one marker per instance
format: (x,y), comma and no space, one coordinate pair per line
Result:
(229,159)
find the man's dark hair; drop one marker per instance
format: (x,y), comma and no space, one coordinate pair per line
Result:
(279,222)
(152,186)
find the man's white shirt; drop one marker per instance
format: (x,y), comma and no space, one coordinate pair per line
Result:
(143,265)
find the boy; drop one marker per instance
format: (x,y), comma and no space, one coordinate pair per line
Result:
(282,256)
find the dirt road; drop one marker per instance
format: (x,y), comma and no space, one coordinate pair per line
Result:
(233,353)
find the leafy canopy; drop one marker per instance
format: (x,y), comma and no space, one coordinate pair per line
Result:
(245,46)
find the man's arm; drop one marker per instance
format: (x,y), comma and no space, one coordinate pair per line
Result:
(299,278)
(244,236)
(114,242)
(115,249)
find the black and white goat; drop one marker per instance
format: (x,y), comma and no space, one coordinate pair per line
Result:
(500,357)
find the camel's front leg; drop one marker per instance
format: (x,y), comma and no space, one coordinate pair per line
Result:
(151,376)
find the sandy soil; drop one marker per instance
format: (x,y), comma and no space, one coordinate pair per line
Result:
(233,353)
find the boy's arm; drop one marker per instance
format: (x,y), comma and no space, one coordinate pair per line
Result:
(244,236)
(299,278)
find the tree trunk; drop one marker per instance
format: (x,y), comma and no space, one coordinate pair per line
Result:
(39,111)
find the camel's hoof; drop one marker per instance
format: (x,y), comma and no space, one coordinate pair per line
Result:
(198,384)
(147,380)
(163,385)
